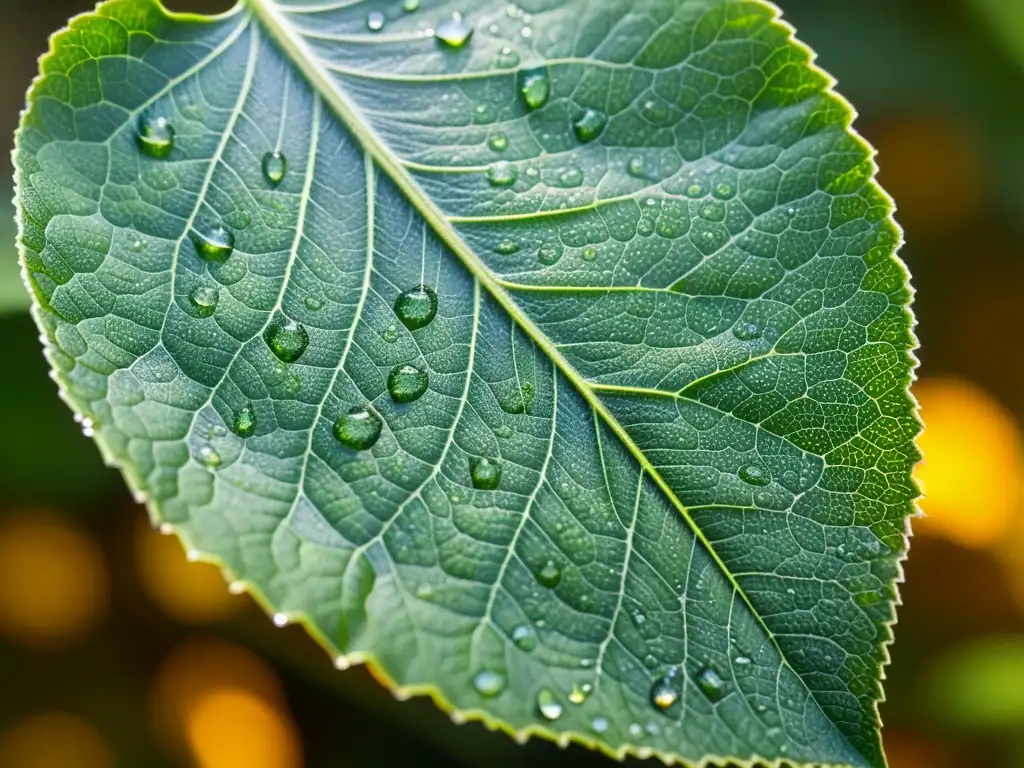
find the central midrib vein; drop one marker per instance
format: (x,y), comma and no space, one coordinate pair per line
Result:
(355,122)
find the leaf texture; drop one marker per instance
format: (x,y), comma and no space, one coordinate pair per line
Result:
(653,498)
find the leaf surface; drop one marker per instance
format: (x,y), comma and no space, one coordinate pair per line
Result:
(653,497)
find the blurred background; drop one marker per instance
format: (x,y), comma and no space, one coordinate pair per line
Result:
(114,651)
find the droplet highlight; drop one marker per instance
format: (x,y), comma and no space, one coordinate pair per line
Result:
(590,125)
(524,637)
(535,86)
(548,705)
(156,136)
(665,692)
(244,423)
(507,247)
(453,32)
(485,473)
(711,684)
(358,429)
(204,300)
(275,167)
(375,21)
(488,684)
(502,174)
(550,574)
(416,307)
(407,383)
(287,340)
(215,244)
(755,474)
(579,693)
(498,142)
(209,458)
(746,331)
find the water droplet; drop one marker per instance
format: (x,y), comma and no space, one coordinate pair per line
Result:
(280,619)
(639,619)
(549,254)
(504,431)
(502,174)
(746,331)
(550,574)
(416,307)
(665,692)
(520,400)
(215,244)
(579,693)
(358,429)
(486,473)
(636,167)
(313,304)
(375,21)
(208,457)
(425,592)
(645,227)
(507,247)
(590,125)
(635,730)
(156,136)
(865,599)
(453,32)
(535,86)
(599,724)
(755,474)
(524,638)
(570,177)
(507,58)
(695,190)
(656,111)
(245,421)
(204,300)
(724,191)
(484,113)
(275,166)
(742,661)
(498,142)
(585,663)
(710,683)
(410,6)
(407,383)
(287,340)
(548,706)
(489,684)
(589,253)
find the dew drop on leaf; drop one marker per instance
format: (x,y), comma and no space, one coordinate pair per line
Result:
(665,692)
(453,32)
(524,638)
(570,177)
(287,339)
(520,400)
(589,253)
(599,724)
(358,429)
(275,167)
(549,254)
(535,86)
(724,191)
(410,6)
(507,58)
(590,125)
(156,136)
(579,693)
(507,247)
(407,383)
(710,683)
(208,457)
(498,142)
(550,574)
(215,244)
(245,421)
(485,473)
(489,684)
(375,21)
(548,705)
(504,431)
(635,730)
(636,167)
(502,174)
(204,299)
(416,307)
(746,331)
(755,474)
(313,304)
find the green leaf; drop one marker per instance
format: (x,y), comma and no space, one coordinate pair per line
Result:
(642,482)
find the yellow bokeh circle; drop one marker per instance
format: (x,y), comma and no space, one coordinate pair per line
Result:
(54,740)
(233,728)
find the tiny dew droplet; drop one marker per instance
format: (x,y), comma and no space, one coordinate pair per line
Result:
(635,730)
(579,693)
(498,142)
(504,431)
(754,474)
(358,429)
(507,58)
(156,136)
(710,683)
(245,421)
(724,191)
(549,254)
(590,125)
(416,307)
(570,177)
(589,253)
(502,174)
(489,684)
(599,724)
(507,247)
(215,244)
(313,304)
(204,300)
(550,574)
(375,21)
(453,32)
(524,638)
(485,473)
(287,340)
(535,86)
(637,167)
(208,457)
(664,692)
(411,5)
(407,383)
(548,706)
(746,331)
(275,166)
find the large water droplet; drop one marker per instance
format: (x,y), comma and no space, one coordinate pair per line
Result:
(579,693)
(746,331)
(590,125)
(755,474)
(208,457)
(710,683)
(498,142)
(665,692)
(550,574)
(524,638)
(570,177)
(245,421)
(520,400)
(375,21)
(275,167)
(549,254)
(548,705)
(535,86)
(411,5)
(287,340)
(507,247)
(407,383)
(204,300)
(416,307)
(502,174)
(453,32)
(485,472)
(215,244)
(358,429)
(489,684)
(156,136)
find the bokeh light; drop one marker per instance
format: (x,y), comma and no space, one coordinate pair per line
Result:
(231,728)
(54,585)
(973,463)
(189,592)
(54,740)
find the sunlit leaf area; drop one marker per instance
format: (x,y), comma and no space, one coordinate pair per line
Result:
(119,648)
